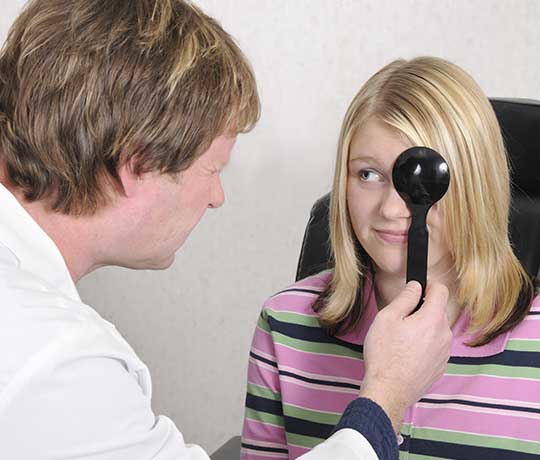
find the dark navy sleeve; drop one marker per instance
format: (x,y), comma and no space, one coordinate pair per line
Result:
(371,421)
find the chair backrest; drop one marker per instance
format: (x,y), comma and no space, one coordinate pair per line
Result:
(520,124)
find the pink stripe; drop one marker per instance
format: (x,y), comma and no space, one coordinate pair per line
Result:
(350,368)
(298,301)
(295,452)
(319,280)
(478,423)
(329,401)
(245,455)
(263,342)
(263,432)
(487,387)
(264,377)
(527,329)
(482,410)
(295,302)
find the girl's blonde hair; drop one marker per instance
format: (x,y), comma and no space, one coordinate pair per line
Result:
(436,104)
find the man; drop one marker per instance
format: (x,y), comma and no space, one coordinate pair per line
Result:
(116,119)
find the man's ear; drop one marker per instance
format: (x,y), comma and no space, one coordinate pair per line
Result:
(131,181)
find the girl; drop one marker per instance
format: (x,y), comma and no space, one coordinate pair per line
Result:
(306,359)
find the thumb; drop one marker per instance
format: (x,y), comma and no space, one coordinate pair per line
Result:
(407,300)
(436,297)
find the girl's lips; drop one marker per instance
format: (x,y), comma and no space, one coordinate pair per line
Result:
(392,237)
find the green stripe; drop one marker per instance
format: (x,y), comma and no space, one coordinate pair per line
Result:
(315,347)
(264,417)
(311,415)
(429,434)
(262,324)
(409,456)
(406,429)
(495,370)
(303,441)
(263,392)
(523,345)
(294,318)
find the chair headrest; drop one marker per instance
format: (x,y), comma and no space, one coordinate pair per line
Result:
(520,126)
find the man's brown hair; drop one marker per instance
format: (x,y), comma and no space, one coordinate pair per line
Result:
(86,85)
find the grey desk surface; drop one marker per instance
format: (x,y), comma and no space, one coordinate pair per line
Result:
(228,451)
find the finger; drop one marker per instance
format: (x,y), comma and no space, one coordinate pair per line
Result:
(407,299)
(436,297)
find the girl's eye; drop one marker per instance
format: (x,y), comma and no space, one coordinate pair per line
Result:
(368,175)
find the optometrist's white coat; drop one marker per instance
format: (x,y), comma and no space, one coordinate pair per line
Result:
(70,386)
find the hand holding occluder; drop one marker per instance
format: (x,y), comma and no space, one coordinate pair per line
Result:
(405,354)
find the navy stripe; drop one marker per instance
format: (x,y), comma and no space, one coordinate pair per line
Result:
(264,360)
(298,331)
(309,333)
(265,449)
(532,313)
(480,404)
(506,358)
(406,444)
(261,404)
(307,428)
(320,382)
(309,291)
(434,449)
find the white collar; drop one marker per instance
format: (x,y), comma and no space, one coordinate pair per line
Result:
(35,250)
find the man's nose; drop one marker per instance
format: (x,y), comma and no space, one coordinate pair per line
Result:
(217,197)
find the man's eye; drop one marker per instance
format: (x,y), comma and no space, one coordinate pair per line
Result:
(368,175)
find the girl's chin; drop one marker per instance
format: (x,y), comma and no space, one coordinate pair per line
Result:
(390,270)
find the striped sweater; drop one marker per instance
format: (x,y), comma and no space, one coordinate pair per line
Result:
(300,379)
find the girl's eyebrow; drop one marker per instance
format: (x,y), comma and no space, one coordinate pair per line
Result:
(365,158)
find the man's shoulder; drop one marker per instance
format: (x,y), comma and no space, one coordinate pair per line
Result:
(299,297)
(42,329)
(29,301)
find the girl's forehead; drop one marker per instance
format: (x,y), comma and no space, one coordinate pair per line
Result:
(375,141)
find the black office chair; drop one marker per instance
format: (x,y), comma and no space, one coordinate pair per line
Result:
(520,124)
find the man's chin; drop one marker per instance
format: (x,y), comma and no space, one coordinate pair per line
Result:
(153,264)
(162,264)
(167,263)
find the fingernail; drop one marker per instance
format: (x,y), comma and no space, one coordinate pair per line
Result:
(414,284)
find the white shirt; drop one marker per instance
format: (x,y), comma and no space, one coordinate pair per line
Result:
(70,386)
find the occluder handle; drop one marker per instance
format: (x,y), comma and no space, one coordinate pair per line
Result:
(417,249)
